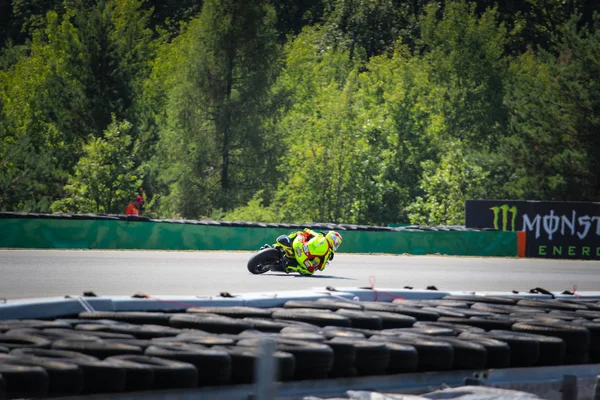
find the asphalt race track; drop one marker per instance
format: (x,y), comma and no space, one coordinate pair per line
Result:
(49,273)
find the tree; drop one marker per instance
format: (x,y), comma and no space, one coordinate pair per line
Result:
(326,167)
(105,177)
(446,187)
(365,28)
(84,64)
(553,102)
(215,150)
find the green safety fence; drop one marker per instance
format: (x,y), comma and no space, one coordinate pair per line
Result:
(40,233)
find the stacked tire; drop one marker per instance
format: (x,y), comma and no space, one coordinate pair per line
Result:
(109,352)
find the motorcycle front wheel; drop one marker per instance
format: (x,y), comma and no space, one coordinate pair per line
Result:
(264,261)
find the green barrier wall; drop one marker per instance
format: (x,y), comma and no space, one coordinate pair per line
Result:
(110,234)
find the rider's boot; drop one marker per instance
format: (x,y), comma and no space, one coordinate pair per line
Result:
(290,268)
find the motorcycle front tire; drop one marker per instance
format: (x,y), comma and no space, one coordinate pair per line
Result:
(264,261)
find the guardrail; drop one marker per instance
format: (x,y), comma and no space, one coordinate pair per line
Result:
(50,231)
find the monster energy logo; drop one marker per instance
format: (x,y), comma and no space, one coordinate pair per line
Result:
(504,210)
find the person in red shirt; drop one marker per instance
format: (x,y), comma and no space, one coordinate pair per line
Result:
(134,207)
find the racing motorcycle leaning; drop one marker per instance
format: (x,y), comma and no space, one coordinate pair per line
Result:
(272,259)
(304,252)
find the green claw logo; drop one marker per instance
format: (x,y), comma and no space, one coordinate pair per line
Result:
(504,210)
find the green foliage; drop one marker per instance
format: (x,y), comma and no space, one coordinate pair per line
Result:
(254,211)
(554,103)
(105,179)
(446,187)
(369,112)
(364,28)
(214,147)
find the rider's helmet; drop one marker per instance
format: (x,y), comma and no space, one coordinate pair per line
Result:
(334,239)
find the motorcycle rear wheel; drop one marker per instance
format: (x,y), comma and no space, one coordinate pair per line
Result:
(264,261)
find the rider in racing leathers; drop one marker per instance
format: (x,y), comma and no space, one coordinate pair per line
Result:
(308,251)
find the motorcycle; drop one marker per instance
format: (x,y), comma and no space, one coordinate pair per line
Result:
(274,258)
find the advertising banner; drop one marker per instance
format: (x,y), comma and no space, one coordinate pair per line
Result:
(554,229)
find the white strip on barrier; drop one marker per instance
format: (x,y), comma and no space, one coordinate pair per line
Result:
(61,307)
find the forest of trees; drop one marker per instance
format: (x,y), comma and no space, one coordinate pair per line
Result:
(340,111)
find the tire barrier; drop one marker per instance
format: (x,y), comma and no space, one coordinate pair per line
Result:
(110,352)
(90,231)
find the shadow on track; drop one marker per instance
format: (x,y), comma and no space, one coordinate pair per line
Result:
(313,276)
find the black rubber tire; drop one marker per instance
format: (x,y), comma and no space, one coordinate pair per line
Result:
(313,360)
(79,321)
(99,349)
(243,360)
(417,313)
(563,315)
(365,332)
(23,341)
(142,343)
(552,349)
(588,314)
(576,337)
(132,317)
(372,358)
(214,366)
(328,333)
(403,358)
(361,319)
(392,320)
(323,304)
(499,321)
(594,328)
(340,304)
(524,351)
(102,335)
(232,312)
(53,334)
(268,325)
(456,328)
(433,355)
(590,304)
(137,331)
(24,381)
(64,378)
(344,359)
(444,312)
(379,306)
(208,340)
(156,373)
(219,324)
(426,330)
(9,324)
(486,324)
(498,352)
(304,336)
(263,256)
(504,309)
(467,355)
(469,312)
(61,355)
(433,303)
(481,299)
(551,305)
(98,376)
(309,305)
(316,318)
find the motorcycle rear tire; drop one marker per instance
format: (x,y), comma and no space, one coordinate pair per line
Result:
(264,257)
